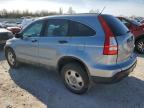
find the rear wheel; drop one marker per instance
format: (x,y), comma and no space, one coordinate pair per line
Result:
(75,78)
(140,46)
(11,58)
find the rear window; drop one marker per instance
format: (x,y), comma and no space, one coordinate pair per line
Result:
(117,27)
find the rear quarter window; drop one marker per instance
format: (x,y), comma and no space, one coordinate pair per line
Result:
(116,25)
(77,29)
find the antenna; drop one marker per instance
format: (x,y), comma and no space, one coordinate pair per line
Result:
(102,10)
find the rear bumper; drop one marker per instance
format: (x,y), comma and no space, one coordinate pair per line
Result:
(116,78)
(108,71)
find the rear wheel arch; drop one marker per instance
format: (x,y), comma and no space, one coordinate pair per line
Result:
(68,59)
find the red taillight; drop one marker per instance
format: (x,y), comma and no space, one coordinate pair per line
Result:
(110,45)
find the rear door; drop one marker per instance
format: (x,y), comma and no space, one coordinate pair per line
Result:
(82,36)
(54,43)
(124,37)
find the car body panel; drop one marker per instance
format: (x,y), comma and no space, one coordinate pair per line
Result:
(28,50)
(50,50)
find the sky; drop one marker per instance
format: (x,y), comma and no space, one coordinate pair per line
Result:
(114,7)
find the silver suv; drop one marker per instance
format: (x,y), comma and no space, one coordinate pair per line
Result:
(82,48)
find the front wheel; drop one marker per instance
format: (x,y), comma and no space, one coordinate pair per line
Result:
(140,46)
(75,78)
(11,58)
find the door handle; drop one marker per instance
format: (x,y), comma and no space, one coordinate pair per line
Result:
(63,41)
(34,40)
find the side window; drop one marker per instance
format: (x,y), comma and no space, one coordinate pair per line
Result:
(34,30)
(78,29)
(125,22)
(57,27)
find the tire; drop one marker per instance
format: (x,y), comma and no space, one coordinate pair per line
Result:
(75,78)
(140,46)
(11,58)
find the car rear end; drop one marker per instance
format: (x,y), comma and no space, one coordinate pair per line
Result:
(4,36)
(117,56)
(14,30)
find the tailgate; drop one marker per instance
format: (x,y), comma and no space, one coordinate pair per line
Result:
(125,47)
(124,38)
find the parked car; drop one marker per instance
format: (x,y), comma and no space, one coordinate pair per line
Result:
(9,24)
(26,21)
(137,19)
(138,30)
(82,48)
(5,35)
(1,26)
(14,30)
(142,22)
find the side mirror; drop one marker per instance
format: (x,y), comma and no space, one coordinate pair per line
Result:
(18,35)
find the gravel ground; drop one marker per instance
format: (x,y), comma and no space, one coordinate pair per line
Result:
(33,87)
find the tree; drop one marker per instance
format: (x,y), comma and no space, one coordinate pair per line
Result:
(4,13)
(94,11)
(71,11)
(60,11)
(18,14)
